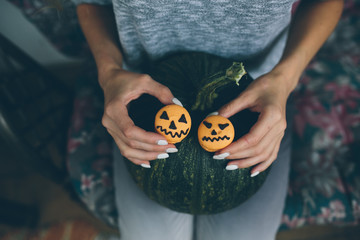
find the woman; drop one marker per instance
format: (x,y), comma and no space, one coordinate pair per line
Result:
(125,35)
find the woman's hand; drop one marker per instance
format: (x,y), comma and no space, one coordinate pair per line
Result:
(311,25)
(120,88)
(260,146)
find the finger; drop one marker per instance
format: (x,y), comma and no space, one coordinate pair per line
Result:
(124,128)
(264,165)
(243,101)
(144,164)
(169,148)
(243,163)
(264,146)
(131,153)
(267,121)
(138,138)
(159,91)
(266,156)
(138,154)
(252,160)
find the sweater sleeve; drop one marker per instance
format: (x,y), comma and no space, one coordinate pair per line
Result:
(98,2)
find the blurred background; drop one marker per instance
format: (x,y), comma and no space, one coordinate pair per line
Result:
(55,158)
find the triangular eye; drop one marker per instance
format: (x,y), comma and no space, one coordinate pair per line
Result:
(223,126)
(207,124)
(164,116)
(182,119)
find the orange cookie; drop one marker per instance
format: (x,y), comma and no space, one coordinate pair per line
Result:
(173,122)
(215,132)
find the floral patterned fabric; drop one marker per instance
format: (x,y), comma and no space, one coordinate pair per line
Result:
(325,176)
(90,150)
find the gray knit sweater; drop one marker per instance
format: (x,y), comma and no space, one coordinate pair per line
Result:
(251,30)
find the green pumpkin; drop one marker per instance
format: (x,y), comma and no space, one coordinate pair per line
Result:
(191,181)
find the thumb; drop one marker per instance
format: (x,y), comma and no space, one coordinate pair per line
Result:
(161,92)
(240,103)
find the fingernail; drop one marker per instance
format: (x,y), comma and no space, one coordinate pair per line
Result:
(254,174)
(212,114)
(171,150)
(231,167)
(163,155)
(144,165)
(221,156)
(162,142)
(177,102)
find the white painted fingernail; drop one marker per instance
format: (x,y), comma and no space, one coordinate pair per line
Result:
(144,165)
(177,102)
(162,142)
(254,174)
(171,150)
(231,167)
(213,114)
(163,155)
(221,156)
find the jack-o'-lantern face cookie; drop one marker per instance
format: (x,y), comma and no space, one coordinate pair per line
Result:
(215,132)
(173,122)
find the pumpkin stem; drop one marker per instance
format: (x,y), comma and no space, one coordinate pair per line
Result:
(206,96)
(236,72)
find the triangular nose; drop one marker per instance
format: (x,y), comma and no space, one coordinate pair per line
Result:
(213,132)
(172,125)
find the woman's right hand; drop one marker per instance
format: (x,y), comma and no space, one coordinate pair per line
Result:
(120,88)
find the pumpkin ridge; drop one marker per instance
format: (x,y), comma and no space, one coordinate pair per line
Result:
(197,190)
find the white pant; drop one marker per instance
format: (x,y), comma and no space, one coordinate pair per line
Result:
(257,219)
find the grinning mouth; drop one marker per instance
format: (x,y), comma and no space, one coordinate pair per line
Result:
(215,138)
(173,134)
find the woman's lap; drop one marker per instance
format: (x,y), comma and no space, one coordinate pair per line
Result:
(140,217)
(258,218)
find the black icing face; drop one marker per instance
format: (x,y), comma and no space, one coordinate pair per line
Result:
(174,128)
(215,131)
(173,122)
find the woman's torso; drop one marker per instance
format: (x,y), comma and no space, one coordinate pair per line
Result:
(236,29)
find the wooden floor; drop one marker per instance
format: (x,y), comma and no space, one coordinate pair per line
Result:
(57,203)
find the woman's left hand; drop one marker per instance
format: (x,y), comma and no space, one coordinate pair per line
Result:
(266,95)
